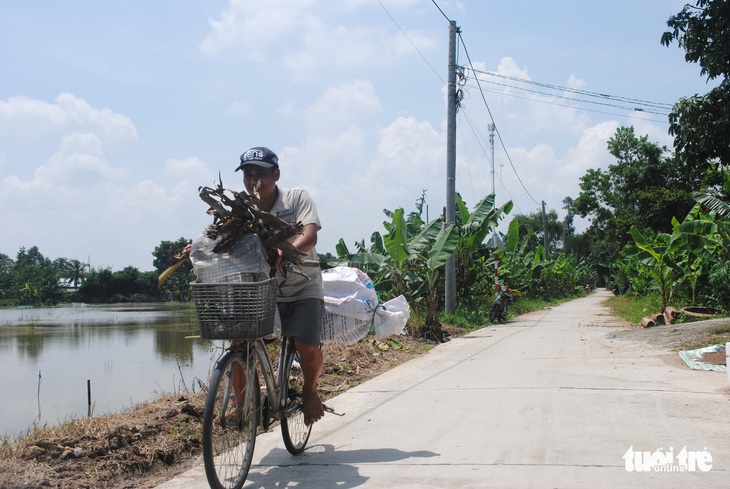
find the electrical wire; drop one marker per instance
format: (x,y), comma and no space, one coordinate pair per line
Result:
(638,106)
(412,43)
(442,12)
(636,114)
(491,117)
(646,103)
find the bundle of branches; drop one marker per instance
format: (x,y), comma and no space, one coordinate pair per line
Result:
(235,214)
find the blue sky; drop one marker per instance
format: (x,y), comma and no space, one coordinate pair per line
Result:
(113,113)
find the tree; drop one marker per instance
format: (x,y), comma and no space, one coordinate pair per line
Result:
(6,277)
(700,124)
(533,222)
(179,282)
(33,256)
(35,279)
(646,188)
(127,281)
(76,272)
(98,286)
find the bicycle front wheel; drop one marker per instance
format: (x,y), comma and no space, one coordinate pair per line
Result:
(293,430)
(230,421)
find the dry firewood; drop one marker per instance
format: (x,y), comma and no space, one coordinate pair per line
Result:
(235,214)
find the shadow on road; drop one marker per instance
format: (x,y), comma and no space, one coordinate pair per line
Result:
(338,466)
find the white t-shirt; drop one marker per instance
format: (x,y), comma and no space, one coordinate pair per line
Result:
(296,205)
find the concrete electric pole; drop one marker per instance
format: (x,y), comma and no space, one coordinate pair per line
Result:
(450,267)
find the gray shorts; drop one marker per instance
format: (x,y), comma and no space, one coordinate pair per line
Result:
(302,320)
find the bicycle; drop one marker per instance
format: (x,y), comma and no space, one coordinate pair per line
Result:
(238,404)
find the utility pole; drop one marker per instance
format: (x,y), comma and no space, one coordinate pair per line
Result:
(492,128)
(450,267)
(544,232)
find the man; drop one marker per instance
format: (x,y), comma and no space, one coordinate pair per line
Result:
(301,299)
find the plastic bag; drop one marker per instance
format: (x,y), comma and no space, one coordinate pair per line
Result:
(391,317)
(246,261)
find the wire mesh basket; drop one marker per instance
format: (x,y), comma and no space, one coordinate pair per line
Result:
(235,310)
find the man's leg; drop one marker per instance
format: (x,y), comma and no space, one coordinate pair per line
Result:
(311,360)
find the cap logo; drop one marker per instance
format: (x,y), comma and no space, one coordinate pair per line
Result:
(253,154)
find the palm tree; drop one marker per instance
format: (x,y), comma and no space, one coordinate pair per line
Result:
(76,272)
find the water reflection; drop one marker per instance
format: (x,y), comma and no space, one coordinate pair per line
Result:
(129,354)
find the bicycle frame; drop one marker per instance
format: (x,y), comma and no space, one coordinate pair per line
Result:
(273,382)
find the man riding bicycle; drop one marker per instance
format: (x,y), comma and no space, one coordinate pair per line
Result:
(300,299)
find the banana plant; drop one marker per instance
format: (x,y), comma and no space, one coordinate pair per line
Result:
(699,238)
(438,254)
(471,250)
(659,250)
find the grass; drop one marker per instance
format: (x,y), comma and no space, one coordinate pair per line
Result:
(633,309)
(474,317)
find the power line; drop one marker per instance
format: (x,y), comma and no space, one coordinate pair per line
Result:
(481,91)
(617,98)
(442,12)
(636,113)
(412,43)
(499,135)
(501,142)
(565,97)
(479,138)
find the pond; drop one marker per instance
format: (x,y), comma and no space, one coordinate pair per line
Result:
(51,358)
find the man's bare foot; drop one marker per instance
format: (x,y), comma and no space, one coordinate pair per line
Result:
(312,408)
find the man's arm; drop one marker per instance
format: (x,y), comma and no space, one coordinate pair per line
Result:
(303,242)
(307,240)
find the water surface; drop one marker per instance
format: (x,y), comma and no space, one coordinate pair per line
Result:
(128,354)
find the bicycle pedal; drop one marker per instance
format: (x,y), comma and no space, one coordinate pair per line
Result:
(332,411)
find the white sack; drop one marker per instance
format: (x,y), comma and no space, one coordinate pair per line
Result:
(350,302)
(391,317)
(352,308)
(349,292)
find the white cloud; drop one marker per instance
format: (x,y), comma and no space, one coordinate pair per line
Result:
(25,116)
(256,26)
(590,152)
(645,126)
(409,158)
(78,164)
(576,83)
(327,47)
(239,108)
(80,161)
(307,43)
(348,101)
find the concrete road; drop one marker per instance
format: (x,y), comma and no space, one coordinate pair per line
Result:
(545,401)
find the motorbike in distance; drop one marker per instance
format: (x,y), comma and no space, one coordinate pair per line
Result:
(501,302)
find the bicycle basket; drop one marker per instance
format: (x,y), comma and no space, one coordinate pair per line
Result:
(235,310)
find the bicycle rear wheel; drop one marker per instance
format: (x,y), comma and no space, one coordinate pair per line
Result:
(293,430)
(230,421)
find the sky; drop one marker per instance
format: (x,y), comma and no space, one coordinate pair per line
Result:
(114,113)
